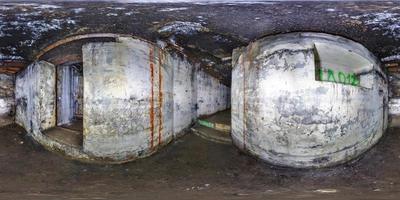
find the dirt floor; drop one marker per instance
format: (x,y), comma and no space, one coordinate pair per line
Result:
(192,168)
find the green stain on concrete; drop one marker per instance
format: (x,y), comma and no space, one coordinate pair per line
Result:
(206,123)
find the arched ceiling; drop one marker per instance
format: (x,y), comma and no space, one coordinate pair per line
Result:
(205,31)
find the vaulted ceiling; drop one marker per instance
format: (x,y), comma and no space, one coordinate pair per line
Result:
(207,32)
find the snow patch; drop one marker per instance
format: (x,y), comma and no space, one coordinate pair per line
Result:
(36,28)
(172,9)
(78,10)
(29,14)
(183,28)
(116,8)
(4,8)
(386,21)
(21,4)
(10,57)
(112,14)
(391,58)
(47,6)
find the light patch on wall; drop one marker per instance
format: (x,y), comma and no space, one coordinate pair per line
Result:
(339,65)
(4,107)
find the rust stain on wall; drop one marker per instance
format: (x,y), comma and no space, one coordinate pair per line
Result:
(151,55)
(244,106)
(160,96)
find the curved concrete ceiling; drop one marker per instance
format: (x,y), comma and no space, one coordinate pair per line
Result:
(206,31)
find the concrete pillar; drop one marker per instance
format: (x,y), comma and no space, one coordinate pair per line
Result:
(127,110)
(307,99)
(35,97)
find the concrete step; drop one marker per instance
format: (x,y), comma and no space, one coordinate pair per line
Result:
(212,134)
(214,125)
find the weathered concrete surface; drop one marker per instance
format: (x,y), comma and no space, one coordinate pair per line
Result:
(212,95)
(283,113)
(137,98)
(7,101)
(35,94)
(35,97)
(184,92)
(127,107)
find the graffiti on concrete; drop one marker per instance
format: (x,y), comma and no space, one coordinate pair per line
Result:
(331,75)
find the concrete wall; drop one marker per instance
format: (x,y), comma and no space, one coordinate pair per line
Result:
(35,97)
(7,101)
(284,115)
(184,92)
(138,97)
(124,112)
(212,95)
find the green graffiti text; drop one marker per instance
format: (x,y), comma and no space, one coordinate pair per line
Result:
(338,77)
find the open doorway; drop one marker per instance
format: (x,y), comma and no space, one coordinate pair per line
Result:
(69,96)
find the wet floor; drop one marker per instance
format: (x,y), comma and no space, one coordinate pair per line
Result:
(192,168)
